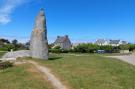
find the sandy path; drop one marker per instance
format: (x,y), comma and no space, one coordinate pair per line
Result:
(127,58)
(54,80)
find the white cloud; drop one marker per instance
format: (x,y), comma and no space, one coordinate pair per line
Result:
(7,8)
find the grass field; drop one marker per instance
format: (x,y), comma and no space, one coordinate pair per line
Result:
(22,77)
(91,71)
(1,54)
(114,54)
(77,71)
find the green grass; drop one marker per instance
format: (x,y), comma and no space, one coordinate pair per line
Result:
(22,77)
(1,54)
(114,54)
(91,71)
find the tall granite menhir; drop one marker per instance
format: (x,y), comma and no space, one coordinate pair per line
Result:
(39,42)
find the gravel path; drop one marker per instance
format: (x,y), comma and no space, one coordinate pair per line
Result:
(55,81)
(127,58)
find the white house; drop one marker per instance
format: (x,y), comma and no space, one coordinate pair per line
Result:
(110,42)
(102,42)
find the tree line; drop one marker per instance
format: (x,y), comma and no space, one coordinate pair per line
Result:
(93,48)
(6,45)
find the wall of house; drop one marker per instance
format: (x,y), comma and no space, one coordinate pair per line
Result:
(67,45)
(124,51)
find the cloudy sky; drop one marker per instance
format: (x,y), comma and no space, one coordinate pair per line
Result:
(82,20)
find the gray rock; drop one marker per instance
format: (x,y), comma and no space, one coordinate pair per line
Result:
(39,42)
(16,54)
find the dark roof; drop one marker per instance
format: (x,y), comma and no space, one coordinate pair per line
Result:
(114,41)
(124,42)
(62,39)
(100,41)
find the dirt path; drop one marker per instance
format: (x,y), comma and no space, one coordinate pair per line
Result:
(55,81)
(127,58)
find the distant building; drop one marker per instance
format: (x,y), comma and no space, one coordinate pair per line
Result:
(110,42)
(115,42)
(64,42)
(102,42)
(124,42)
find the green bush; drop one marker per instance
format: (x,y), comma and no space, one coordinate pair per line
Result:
(86,48)
(57,47)
(107,48)
(55,50)
(4,65)
(64,51)
(58,51)
(124,47)
(131,47)
(7,47)
(92,48)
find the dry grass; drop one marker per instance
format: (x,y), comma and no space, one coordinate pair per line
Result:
(23,76)
(91,72)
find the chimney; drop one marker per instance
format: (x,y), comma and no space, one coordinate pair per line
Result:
(66,36)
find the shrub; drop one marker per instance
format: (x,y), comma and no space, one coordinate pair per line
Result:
(131,47)
(57,47)
(107,48)
(92,48)
(124,47)
(86,48)
(116,49)
(64,51)
(58,51)
(7,47)
(4,65)
(55,50)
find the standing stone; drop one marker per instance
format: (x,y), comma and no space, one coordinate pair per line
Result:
(39,42)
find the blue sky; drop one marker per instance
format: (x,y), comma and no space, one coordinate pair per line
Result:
(82,20)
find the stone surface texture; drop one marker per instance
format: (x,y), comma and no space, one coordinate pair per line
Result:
(16,54)
(39,42)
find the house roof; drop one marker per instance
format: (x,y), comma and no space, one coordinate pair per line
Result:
(114,41)
(100,41)
(124,42)
(62,39)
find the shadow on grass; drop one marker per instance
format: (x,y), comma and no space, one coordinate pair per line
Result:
(54,58)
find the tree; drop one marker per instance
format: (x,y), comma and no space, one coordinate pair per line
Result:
(131,47)
(107,48)
(8,47)
(4,40)
(51,46)
(14,42)
(86,48)
(27,45)
(124,47)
